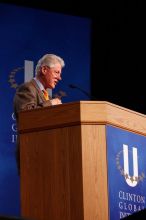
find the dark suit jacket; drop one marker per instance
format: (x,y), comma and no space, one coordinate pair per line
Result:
(28,96)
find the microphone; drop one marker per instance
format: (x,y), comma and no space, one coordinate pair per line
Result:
(72,86)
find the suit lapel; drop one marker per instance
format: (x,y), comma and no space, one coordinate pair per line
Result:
(40,93)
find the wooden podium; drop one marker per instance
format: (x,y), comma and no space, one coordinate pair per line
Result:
(64,159)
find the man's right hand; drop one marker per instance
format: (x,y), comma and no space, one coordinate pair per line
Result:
(55,101)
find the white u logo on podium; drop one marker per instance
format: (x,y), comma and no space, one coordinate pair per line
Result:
(131,180)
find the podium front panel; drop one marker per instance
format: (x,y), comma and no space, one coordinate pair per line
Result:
(126,172)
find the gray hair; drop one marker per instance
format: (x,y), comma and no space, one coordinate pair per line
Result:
(49,60)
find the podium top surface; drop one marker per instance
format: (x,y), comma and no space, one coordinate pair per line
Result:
(82,112)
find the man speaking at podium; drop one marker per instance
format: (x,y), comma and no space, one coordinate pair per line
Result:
(33,94)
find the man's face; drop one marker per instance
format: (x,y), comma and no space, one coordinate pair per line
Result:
(51,75)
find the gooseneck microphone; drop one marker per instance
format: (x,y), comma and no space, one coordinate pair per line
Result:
(72,86)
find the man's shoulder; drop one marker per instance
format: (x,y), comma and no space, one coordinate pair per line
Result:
(29,84)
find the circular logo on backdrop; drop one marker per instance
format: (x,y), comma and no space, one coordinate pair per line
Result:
(12,77)
(14,84)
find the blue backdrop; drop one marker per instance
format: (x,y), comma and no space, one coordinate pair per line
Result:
(26,35)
